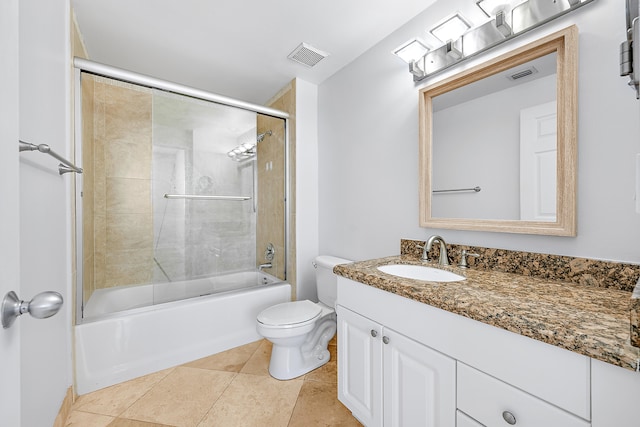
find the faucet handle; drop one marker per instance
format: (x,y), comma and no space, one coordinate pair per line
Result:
(463,258)
(425,254)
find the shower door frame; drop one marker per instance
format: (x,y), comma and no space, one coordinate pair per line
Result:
(108,71)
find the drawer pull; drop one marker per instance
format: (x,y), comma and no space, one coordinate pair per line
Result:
(509,418)
(374,333)
(385,340)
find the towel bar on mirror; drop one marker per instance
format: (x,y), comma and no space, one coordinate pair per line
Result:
(455,190)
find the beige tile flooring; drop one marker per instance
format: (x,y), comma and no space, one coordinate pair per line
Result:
(232,388)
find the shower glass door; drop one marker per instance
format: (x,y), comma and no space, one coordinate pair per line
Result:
(177,192)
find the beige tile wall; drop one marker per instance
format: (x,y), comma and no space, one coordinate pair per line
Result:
(271,198)
(88,271)
(121,186)
(266,221)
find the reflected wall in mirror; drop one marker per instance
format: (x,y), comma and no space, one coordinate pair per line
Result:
(498,143)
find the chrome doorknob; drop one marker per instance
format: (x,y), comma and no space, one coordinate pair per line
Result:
(43,305)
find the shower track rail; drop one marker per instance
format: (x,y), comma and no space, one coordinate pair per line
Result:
(202,197)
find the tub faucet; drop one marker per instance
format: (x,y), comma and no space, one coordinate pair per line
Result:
(266,265)
(444,257)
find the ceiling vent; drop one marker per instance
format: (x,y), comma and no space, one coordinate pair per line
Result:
(307,55)
(522,73)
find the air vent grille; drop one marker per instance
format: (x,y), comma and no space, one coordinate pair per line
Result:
(307,55)
(522,73)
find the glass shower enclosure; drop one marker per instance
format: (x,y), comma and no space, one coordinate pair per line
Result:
(180,197)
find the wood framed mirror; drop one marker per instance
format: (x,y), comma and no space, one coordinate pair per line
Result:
(498,142)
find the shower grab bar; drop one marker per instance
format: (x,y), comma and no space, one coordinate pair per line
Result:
(455,190)
(65,167)
(200,197)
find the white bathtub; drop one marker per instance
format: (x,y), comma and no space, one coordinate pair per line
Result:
(144,339)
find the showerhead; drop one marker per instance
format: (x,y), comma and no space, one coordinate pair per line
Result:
(262,135)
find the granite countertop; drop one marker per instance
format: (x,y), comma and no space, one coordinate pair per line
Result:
(588,320)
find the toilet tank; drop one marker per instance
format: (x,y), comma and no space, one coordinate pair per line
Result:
(326,281)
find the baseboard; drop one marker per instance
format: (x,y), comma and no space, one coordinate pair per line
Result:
(65,409)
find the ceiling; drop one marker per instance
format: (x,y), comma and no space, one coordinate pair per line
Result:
(236,48)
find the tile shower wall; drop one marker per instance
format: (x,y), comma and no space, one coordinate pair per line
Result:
(88,270)
(271,198)
(118,190)
(271,189)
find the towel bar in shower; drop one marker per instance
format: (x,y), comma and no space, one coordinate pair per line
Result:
(456,190)
(201,197)
(64,167)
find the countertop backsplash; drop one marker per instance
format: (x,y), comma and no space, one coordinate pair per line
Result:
(589,272)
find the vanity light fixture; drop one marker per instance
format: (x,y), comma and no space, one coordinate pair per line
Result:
(452,51)
(501,24)
(492,7)
(507,19)
(412,50)
(451,29)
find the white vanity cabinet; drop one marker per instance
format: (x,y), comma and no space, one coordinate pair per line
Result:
(387,379)
(453,368)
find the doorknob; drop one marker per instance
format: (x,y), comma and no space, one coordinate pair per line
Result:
(43,305)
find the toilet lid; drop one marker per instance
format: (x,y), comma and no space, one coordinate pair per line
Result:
(290,313)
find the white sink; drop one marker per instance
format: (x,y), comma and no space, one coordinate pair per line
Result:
(421,272)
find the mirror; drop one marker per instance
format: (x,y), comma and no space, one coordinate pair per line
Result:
(498,143)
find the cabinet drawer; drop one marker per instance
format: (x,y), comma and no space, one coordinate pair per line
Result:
(490,401)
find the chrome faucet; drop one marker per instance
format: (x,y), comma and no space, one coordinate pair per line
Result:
(444,257)
(265,265)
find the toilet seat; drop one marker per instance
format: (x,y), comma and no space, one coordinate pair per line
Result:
(290,314)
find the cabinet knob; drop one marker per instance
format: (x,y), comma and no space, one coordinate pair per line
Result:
(385,340)
(374,333)
(509,418)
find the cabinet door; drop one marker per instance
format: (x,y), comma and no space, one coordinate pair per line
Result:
(360,366)
(419,384)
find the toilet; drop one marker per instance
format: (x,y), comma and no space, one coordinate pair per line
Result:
(301,330)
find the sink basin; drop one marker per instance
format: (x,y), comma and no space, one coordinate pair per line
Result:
(421,272)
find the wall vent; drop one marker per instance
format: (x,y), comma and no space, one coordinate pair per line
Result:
(307,55)
(522,73)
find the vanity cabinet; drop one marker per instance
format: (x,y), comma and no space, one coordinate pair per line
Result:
(387,379)
(497,371)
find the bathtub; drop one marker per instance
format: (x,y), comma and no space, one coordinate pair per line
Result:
(123,337)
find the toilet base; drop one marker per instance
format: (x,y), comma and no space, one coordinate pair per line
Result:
(293,358)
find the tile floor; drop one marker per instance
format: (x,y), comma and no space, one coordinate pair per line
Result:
(232,388)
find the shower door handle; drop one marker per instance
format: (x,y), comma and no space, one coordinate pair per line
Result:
(43,305)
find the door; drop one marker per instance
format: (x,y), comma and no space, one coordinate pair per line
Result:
(538,159)
(9,230)
(360,366)
(419,384)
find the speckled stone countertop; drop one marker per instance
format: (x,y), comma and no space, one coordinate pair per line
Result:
(589,320)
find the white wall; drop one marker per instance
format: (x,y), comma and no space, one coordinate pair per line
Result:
(10,386)
(45,261)
(477,146)
(368,133)
(306,187)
